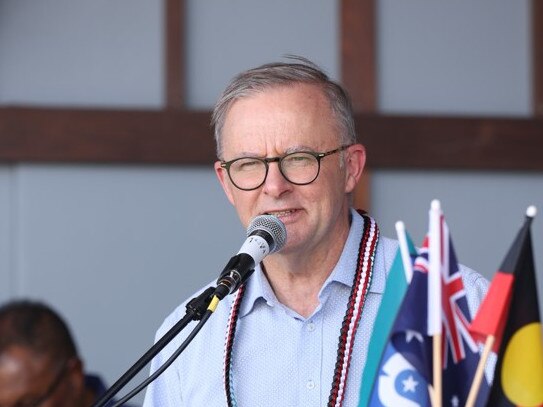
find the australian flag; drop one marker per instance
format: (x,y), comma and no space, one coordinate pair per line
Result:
(405,374)
(460,351)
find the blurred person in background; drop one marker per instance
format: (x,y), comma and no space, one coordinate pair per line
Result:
(39,362)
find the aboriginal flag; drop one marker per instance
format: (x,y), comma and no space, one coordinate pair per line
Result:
(518,378)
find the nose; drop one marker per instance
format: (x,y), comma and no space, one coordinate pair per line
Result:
(276,184)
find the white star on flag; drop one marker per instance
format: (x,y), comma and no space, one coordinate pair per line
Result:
(410,384)
(409,335)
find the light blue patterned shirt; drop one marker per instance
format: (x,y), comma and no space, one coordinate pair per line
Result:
(280,359)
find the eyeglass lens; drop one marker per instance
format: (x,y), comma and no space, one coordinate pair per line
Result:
(298,168)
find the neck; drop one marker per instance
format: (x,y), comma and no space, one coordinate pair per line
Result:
(297,278)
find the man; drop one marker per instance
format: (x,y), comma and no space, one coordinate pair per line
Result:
(297,333)
(39,364)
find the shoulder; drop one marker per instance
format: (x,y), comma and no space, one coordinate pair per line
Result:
(476,287)
(384,257)
(387,247)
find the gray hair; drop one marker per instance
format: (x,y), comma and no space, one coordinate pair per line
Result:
(280,74)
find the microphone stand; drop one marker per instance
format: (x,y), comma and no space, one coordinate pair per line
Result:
(196,308)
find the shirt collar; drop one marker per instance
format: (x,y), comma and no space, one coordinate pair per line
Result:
(259,289)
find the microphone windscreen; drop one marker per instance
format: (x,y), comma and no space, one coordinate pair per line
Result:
(273,226)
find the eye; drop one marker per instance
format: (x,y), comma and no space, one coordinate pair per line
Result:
(298,160)
(247,164)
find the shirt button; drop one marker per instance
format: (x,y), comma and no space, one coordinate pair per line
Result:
(311,327)
(310,384)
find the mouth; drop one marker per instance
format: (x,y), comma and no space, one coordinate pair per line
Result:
(280,214)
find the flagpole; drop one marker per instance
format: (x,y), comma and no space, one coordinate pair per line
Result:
(438,391)
(434,298)
(477,380)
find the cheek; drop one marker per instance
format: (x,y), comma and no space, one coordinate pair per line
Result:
(330,198)
(333,189)
(61,399)
(245,203)
(69,394)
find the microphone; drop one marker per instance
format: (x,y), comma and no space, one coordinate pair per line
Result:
(266,234)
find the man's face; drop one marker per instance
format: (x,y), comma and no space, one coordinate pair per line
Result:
(282,120)
(27,379)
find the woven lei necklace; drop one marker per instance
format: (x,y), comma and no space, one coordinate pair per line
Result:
(361,284)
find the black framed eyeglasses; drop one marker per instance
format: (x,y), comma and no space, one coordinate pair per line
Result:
(299,168)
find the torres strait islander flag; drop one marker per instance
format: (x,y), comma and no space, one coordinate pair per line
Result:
(396,286)
(404,373)
(510,313)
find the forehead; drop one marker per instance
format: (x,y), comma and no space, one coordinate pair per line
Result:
(21,370)
(279,118)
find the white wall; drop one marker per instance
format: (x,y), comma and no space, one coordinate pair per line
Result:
(76,52)
(466,57)
(6,233)
(484,210)
(115,248)
(227,37)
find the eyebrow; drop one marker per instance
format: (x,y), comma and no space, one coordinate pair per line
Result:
(293,149)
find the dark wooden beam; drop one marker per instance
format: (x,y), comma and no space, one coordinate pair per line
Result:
(537,52)
(114,136)
(174,50)
(456,143)
(359,70)
(358,53)
(179,137)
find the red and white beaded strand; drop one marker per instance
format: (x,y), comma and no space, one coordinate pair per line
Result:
(361,284)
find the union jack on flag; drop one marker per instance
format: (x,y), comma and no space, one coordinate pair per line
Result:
(455,315)
(421,262)
(460,351)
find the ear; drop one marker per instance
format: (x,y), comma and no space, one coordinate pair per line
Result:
(224,180)
(355,160)
(76,375)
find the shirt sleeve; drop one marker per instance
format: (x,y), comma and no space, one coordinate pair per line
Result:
(476,287)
